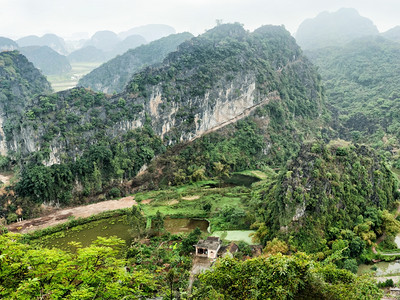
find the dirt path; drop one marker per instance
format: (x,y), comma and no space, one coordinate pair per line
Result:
(62,215)
(200,264)
(240,116)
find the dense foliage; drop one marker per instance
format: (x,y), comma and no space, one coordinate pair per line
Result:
(339,191)
(282,277)
(113,75)
(96,169)
(158,267)
(362,86)
(99,271)
(19,81)
(63,128)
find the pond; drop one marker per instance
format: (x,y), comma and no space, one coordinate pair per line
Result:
(235,235)
(116,226)
(382,268)
(185,225)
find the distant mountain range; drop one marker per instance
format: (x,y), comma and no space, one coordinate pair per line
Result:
(113,75)
(51,40)
(46,59)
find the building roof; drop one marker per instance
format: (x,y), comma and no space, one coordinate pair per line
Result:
(232,248)
(211,243)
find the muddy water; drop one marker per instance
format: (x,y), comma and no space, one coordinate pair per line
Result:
(86,234)
(185,225)
(383,268)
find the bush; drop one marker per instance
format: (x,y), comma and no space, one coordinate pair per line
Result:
(114,192)
(387,283)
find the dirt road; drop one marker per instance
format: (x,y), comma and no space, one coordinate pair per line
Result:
(62,215)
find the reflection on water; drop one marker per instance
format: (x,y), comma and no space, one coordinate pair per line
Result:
(86,234)
(383,268)
(184,225)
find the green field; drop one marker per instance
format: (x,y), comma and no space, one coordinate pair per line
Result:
(69,80)
(235,235)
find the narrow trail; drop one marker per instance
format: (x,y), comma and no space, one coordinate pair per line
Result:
(62,215)
(200,264)
(245,113)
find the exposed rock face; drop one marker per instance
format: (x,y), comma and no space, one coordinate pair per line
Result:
(211,81)
(19,82)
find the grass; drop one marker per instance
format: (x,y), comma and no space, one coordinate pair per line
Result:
(170,203)
(70,79)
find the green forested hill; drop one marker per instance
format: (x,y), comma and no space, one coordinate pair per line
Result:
(99,140)
(392,34)
(362,81)
(19,81)
(113,75)
(46,59)
(328,189)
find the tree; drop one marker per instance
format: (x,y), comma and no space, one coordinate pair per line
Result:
(190,240)
(276,246)
(220,170)
(282,277)
(137,221)
(93,272)
(157,223)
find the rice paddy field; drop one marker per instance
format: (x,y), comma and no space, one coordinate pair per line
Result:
(70,80)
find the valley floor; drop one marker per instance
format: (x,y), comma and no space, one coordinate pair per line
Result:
(62,215)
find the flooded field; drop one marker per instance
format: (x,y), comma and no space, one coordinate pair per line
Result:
(235,235)
(117,226)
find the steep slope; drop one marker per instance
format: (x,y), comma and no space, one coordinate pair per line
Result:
(115,74)
(19,82)
(130,42)
(362,82)
(327,189)
(7,44)
(91,141)
(333,29)
(46,59)
(392,34)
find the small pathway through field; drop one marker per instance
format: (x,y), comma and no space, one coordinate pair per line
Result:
(61,216)
(200,264)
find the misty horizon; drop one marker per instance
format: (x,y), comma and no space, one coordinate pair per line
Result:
(74,20)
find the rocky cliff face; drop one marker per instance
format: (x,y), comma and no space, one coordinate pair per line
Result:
(80,143)
(213,80)
(19,82)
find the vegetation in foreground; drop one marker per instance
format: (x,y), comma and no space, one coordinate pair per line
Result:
(160,267)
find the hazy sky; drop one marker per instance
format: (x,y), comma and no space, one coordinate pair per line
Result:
(64,17)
